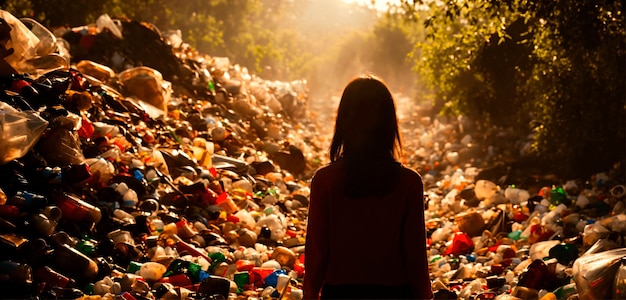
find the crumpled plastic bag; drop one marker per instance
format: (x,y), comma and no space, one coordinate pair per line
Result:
(23,41)
(594,232)
(594,274)
(174,38)
(19,131)
(148,85)
(47,59)
(47,41)
(105,21)
(61,145)
(41,65)
(33,47)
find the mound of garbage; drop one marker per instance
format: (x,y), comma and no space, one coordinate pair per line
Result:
(135,167)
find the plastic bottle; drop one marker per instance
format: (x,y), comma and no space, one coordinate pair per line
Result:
(27,201)
(101,169)
(516,195)
(564,253)
(51,277)
(45,222)
(76,210)
(182,246)
(16,280)
(129,196)
(557,197)
(73,263)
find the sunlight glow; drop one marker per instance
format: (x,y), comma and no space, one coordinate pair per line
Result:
(380,5)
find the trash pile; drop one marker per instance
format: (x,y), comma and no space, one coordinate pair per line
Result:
(508,231)
(120,182)
(136,168)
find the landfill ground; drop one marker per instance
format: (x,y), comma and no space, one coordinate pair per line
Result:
(135,169)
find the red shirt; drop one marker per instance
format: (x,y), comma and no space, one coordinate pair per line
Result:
(367,240)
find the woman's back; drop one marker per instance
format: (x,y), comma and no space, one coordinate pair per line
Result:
(366,233)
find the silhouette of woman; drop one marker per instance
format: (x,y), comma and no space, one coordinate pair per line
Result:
(366,237)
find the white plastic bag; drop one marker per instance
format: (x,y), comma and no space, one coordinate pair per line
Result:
(23,41)
(47,41)
(19,131)
(104,21)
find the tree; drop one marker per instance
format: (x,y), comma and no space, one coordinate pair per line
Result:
(552,68)
(389,45)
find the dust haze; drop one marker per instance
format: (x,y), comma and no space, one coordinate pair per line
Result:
(336,30)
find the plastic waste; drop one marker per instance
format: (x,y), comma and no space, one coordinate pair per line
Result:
(75,264)
(594,274)
(16,279)
(174,38)
(195,192)
(45,222)
(96,70)
(148,85)
(152,271)
(215,285)
(76,210)
(23,42)
(564,253)
(105,22)
(461,244)
(470,222)
(47,41)
(60,145)
(516,195)
(619,285)
(593,232)
(20,131)
(485,189)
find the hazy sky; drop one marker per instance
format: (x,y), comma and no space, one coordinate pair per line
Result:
(380,4)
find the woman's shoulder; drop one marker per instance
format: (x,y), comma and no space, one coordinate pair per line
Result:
(327,171)
(409,174)
(330,172)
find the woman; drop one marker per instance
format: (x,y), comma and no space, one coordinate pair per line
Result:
(366,233)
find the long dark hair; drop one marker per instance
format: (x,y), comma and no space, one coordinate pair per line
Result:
(367,135)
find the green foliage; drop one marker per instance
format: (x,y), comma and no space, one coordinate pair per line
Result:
(580,72)
(553,68)
(390,42)
(275,39)
(382,49)
(246,31)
